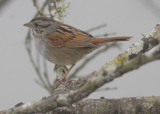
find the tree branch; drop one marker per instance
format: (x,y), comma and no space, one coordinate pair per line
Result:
(133,105)
(137,55)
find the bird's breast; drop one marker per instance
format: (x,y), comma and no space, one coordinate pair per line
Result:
(60,55)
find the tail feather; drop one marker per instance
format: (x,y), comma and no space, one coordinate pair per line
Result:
(98,41)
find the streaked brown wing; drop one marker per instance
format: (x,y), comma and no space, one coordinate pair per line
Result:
(70,37)
(80,42)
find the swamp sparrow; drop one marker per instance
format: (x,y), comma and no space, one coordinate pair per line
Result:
(63,44)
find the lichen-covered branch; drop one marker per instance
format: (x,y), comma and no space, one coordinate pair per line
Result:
(137,55)
(135,105)
(143,45)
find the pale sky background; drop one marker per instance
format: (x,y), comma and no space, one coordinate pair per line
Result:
(125,17)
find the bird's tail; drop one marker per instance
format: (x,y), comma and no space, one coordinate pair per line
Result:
(99,41)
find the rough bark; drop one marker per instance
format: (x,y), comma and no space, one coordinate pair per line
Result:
(135,105)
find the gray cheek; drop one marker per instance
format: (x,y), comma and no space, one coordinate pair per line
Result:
(50,29)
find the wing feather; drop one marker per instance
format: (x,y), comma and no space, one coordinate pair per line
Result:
(70,37)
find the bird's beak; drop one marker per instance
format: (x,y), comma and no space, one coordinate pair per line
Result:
(28,25)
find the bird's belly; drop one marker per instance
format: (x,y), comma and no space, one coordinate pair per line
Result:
(65,56)
(61,55)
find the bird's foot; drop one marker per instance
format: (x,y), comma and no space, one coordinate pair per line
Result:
(57,66)
(60,81)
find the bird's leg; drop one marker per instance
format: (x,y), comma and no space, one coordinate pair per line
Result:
(64,77)
(66,68)
(57,66)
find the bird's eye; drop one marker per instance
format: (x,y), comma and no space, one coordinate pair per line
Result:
(36,25)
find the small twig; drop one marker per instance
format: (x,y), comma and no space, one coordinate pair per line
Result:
(38,60)
(95,28)
(105,35)
(37,7)
(52,7)
(3,3)
(73,75)
(43,86)
(106,89)
(28,48)
(46,75)
(42,8)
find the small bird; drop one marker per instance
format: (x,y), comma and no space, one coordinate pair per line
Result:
(63,44)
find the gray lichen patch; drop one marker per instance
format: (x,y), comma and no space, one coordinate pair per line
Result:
(148,42)
(155,33)
(136,48)
(62,100)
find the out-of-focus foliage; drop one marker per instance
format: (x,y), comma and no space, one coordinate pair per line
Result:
(4,3)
